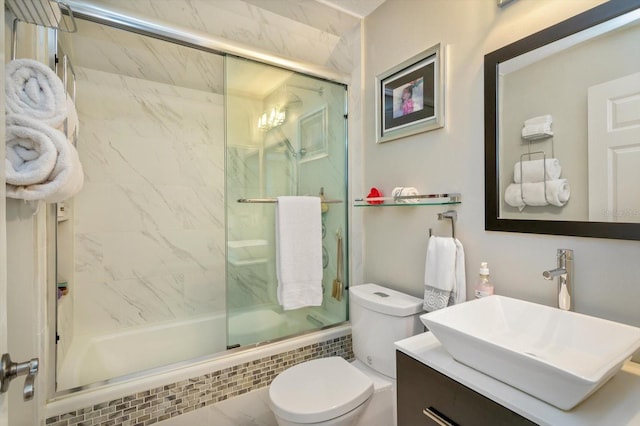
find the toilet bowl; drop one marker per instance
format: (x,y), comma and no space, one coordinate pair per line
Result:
(326,391)
(331,391)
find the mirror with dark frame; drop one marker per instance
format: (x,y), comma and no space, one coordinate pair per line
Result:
(562,128)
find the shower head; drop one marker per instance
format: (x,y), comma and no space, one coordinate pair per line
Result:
(286,143)
(289,147)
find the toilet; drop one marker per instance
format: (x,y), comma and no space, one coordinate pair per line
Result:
(333,392)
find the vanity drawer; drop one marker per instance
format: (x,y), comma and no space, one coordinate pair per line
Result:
(425,395)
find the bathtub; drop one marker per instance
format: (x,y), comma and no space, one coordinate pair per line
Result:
(268,323)
(92,359)
(66,403)
(95,359)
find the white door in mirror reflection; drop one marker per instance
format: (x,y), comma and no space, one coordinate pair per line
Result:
(614,150)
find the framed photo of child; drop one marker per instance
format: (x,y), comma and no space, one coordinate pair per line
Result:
(410,96)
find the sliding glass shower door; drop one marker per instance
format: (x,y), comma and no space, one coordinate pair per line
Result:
(140,250)
(286,135)
(156,255)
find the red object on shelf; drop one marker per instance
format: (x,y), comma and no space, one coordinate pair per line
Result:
(374,193)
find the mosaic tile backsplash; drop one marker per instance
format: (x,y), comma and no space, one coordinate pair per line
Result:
(164,402)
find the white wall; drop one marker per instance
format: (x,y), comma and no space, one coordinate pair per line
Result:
(452,159)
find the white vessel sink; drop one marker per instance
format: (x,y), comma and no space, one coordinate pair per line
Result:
(557,356)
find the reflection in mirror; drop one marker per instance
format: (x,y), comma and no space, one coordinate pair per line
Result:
(562,121)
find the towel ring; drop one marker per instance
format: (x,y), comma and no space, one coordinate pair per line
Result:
(452,215)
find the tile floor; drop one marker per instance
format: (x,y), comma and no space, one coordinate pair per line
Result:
(250,409)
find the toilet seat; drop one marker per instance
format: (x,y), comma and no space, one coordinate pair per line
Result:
(319,390)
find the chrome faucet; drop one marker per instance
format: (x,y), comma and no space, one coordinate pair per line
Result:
(564,273)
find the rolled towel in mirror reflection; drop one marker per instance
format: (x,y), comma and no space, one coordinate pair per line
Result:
(534,171)
(519,195)
(537,128)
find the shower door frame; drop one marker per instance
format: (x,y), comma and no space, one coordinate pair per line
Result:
(204,42)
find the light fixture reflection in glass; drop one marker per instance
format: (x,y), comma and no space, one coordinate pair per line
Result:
(272,118)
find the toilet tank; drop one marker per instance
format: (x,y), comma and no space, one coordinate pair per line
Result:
(379,317)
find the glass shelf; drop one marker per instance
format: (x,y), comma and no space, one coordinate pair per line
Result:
(408,201)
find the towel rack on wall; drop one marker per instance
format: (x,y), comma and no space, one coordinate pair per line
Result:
(27,12)
(67,70)
(50,14)
(410,200)
(275,200)
(47,13)
(544,172)
(452,215)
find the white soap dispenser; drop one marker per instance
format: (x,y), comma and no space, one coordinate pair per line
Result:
(483,287)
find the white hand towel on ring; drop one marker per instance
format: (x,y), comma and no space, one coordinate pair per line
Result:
(444,274)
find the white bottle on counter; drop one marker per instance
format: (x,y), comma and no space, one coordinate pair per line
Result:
(483,287)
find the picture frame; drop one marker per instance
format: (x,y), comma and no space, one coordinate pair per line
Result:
(312,131)
(410,96)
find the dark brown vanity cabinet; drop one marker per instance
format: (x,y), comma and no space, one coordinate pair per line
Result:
(427,397)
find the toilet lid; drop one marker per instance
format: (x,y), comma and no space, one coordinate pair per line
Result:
(319,390)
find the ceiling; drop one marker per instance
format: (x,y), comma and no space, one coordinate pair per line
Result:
(358,8)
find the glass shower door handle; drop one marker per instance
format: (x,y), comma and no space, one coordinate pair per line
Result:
(10,370)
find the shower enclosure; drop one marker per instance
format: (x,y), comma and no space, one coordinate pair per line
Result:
(285,136)
(167,254)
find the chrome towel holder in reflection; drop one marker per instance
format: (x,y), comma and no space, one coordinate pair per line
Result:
(452,215)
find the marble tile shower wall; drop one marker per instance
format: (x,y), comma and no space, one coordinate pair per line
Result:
(164,402)
(303,29)
(150,220)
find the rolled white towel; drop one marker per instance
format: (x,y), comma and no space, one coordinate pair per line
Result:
(33,89)
(534,171)
(397,191)
(533,194)
(537,127)
(31,152)
(63,181)
(405,191)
